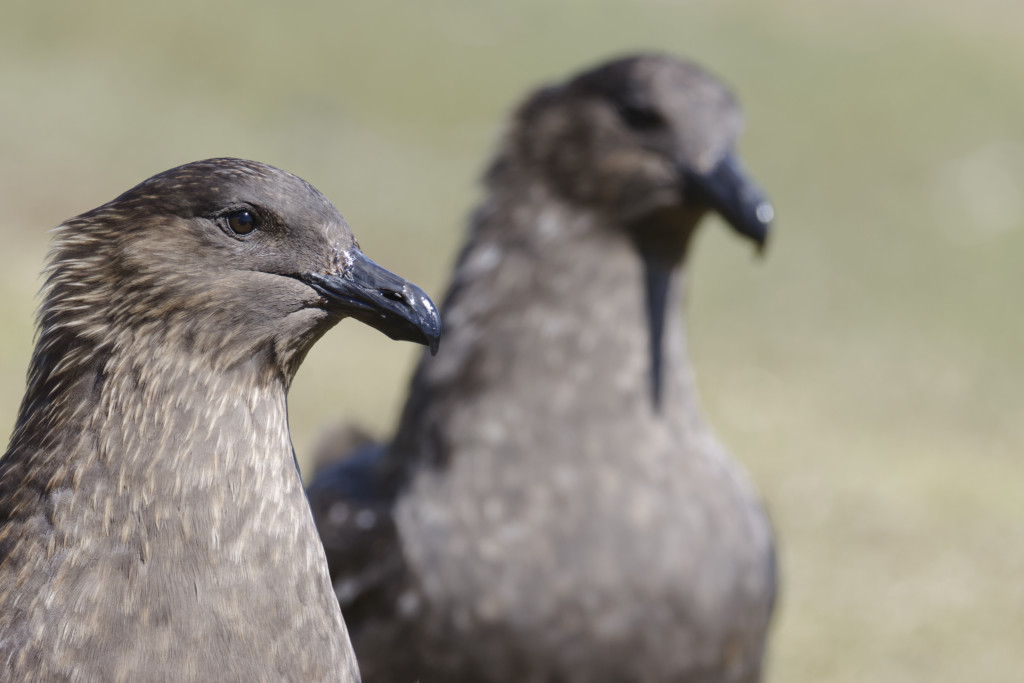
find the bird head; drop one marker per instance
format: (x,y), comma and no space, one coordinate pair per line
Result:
(648,142)
(226,257)
(651,138)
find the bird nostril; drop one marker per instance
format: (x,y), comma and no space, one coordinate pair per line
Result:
(394,296)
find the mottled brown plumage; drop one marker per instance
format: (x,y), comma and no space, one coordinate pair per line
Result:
(554,508)
(152,520)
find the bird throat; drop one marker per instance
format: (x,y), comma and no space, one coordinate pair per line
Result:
(156,420)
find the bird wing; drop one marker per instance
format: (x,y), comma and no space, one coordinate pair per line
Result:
(352,502)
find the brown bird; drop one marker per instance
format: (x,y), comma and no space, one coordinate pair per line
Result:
(554,506)
(153,524)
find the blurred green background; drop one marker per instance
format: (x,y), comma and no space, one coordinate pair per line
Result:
(869,371)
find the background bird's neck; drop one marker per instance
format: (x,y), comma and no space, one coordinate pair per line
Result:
(548,316)
(574,293)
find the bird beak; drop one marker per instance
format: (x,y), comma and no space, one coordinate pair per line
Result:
(381,299)
(730,192)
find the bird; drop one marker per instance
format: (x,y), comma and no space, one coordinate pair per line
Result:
(153,523)
(553,506)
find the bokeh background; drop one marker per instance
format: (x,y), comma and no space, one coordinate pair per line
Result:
(869,372)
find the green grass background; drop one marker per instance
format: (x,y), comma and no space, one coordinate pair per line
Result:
(869,371)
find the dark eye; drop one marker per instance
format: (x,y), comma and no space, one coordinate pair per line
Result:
(241,222)
(640,116)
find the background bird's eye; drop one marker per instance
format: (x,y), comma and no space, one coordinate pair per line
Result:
(640,116)
(241,222)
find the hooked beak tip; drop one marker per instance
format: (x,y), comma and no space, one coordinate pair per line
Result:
(381,299)
(729,191)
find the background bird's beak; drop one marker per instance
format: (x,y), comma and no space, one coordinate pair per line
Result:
(730,192)
(381,299)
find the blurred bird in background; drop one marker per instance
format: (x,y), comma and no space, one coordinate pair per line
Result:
(553,506)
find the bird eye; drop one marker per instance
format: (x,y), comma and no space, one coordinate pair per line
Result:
(640,116)
(241,222)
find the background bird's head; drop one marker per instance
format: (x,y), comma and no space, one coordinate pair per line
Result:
(222,259)
(648,143)
(649,138)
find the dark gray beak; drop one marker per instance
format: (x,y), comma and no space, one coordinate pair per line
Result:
(728,190)
(381,299)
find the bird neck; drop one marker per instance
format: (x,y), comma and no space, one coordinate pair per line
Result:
(153,416)
(547,322)
(177,484)
(598,304)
